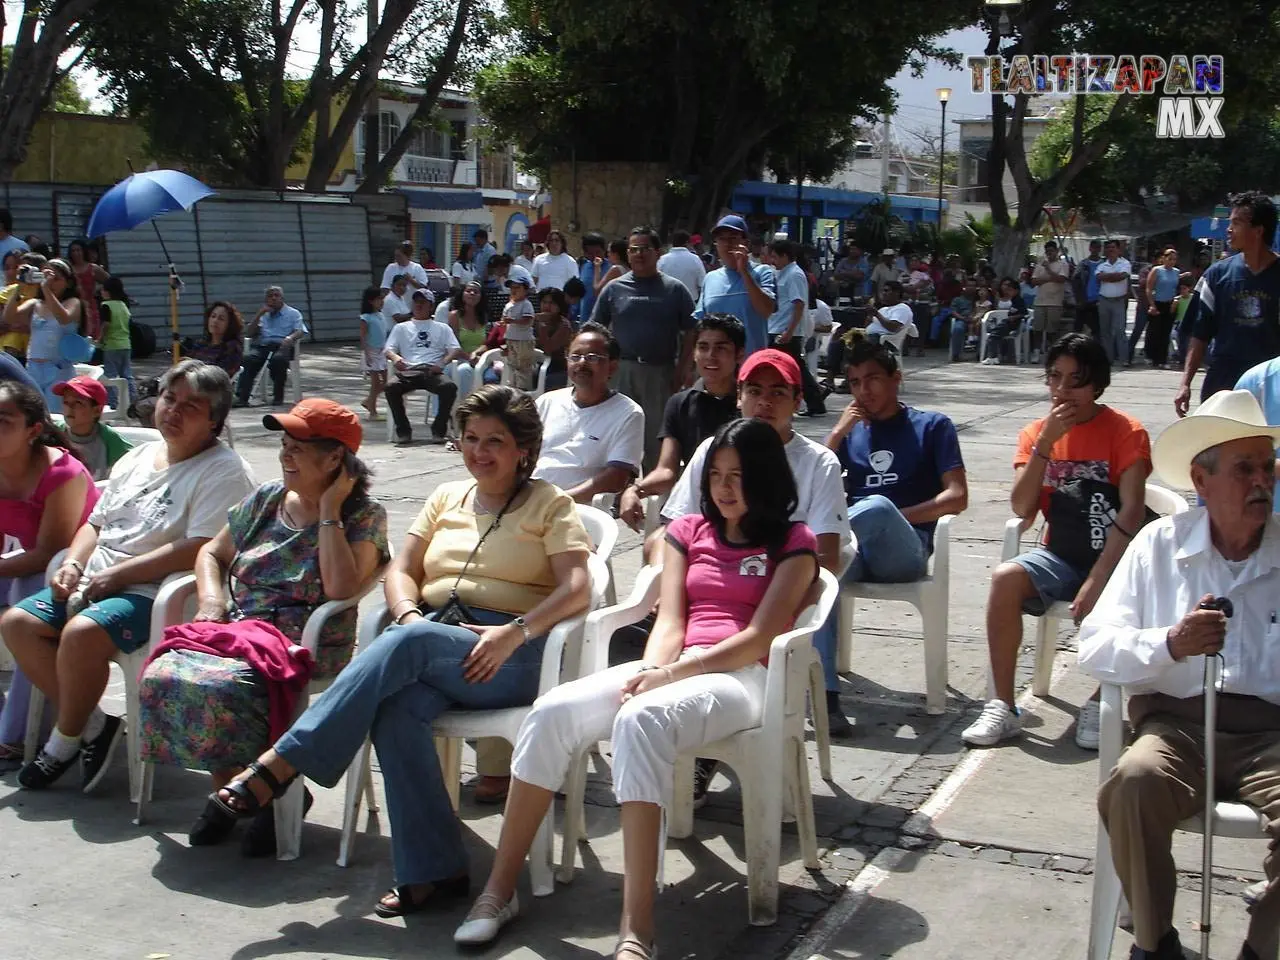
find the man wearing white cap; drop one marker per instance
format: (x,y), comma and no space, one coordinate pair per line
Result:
(1147,633)
(883,272)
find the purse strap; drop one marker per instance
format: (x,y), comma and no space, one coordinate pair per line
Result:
(453,591)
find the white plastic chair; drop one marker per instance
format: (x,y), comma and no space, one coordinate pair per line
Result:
(990,318)
(1235,820)
(489,357)
(432,405)
(931,596)
(294,386)
(769,760)
(1159,499)
(130,665)
(899,342)
(560,658)
(603,503)
(118,384)
(175,604)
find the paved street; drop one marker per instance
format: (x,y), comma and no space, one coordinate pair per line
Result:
(994,863)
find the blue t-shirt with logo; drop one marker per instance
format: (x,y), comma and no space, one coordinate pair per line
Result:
(1239,311)
(724,291)
(902,458)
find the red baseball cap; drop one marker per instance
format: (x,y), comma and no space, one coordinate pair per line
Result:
(783,363)
(318,419)
(86,387)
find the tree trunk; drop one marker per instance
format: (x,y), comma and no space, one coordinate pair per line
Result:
(1009,248)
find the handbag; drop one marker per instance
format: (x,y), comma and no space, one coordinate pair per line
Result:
(455,612)
(1080,516)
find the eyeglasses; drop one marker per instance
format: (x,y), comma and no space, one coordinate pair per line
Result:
(644,249)
(591,358)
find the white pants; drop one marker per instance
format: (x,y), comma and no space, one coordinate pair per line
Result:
(647,731)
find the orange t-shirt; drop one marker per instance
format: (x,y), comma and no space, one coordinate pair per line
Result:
(1102,449)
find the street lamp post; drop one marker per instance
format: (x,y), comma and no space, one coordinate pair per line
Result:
(944,94)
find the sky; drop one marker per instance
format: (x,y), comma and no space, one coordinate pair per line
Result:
(918,99)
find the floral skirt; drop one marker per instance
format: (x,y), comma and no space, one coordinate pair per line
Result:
(202,712)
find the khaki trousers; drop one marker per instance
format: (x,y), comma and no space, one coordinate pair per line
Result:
(1159,782)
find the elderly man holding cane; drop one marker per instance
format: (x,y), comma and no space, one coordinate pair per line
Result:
(1151,630)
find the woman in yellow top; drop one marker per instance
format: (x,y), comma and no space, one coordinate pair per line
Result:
(503,559)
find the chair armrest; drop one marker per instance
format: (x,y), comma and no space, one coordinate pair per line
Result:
(170,602)
(601,624)
(942,547)
(331,608)
(1013,528)
(1110,729)
(791,653)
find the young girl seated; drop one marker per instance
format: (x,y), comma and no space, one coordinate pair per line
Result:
(733,578)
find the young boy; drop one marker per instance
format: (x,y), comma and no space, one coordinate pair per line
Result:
(97,444)
(1186,284)
(961,321)
(518,316)
(574,291)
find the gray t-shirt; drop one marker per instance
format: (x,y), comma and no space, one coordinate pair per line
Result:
(647,315)
(93,452)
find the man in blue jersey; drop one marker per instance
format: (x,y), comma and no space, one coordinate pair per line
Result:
(1236,303)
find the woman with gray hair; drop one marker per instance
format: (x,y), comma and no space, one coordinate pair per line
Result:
(164,501)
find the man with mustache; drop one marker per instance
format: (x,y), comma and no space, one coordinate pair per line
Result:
(1148,633)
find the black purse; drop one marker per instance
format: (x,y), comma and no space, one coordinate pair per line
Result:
(455,612)
(1080,516)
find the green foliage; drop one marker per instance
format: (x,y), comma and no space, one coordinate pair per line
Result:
(66,97)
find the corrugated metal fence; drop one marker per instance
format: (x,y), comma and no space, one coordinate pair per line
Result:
(229,247)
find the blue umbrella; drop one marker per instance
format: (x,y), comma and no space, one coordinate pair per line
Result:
(143,196)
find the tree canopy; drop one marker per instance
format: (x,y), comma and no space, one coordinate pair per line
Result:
(713,90)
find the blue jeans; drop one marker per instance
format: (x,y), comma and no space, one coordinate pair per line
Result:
(899,553)
(393,691)
(959,330)
(118,363)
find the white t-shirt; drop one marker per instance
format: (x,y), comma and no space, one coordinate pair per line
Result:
(686,266)
(553,271)
(417,275)
(900,312)
(1115,288)
(393,305)
(422,342)
(820,316)
(442,310)
(579,442)
(143,509)
(462,273)
(820,491)
(523,261)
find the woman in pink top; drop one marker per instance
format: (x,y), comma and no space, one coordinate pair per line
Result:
(45,495)
(733,578)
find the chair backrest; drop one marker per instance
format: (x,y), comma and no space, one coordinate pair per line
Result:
(1164,501)
(601,528)
(562,656)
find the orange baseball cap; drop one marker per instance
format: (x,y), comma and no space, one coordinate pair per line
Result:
(783,363)
(318,419)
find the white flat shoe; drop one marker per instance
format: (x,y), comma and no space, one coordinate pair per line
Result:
(486,918)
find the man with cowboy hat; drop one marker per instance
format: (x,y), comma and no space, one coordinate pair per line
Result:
(1148,633)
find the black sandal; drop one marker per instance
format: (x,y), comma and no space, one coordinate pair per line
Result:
(452,889)
(217,808)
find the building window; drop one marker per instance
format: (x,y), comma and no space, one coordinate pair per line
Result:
(388,132)
(458,140)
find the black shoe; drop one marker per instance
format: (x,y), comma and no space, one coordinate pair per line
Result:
(239,403)
(95,756)
(838,724)
(260,839)
(1169,948)
(403,439)
(212,827)
(704,771)
(43,771)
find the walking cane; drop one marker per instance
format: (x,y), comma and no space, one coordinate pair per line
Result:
(1212,676)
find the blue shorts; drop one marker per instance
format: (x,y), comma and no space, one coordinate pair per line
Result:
(126,617)
(1054,579)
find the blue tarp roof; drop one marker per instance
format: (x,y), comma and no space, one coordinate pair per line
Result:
(444,199)
(1202,228)
(779,199)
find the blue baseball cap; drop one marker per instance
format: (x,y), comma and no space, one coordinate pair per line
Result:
(731,222)
(519,275)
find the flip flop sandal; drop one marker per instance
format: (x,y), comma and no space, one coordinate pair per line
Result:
(451,889)
(249,805)
(636,948)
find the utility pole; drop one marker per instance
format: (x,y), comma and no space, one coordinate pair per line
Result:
(884,154)
(372,124)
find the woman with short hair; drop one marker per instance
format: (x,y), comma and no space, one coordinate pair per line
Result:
(734,577)
(53,312)
(489,567)
(164,501)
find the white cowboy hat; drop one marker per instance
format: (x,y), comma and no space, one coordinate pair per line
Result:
(1225,416)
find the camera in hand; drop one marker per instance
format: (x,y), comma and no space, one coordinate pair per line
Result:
(30,273)
(1219,603)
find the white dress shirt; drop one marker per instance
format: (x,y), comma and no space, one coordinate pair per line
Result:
(1170,565)
(686,266)
(1115,288)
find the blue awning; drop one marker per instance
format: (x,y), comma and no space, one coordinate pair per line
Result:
(444,199)
(779,199)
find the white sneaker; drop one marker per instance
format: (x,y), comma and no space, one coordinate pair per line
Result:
(996,722)
(485,919)
(1035,356)
(991,362)
(1087,725)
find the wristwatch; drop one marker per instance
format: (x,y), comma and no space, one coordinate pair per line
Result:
(524,628)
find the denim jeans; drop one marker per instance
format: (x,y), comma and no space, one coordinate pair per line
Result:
(118,363)
(393,691)
(959,330)
(897,554)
